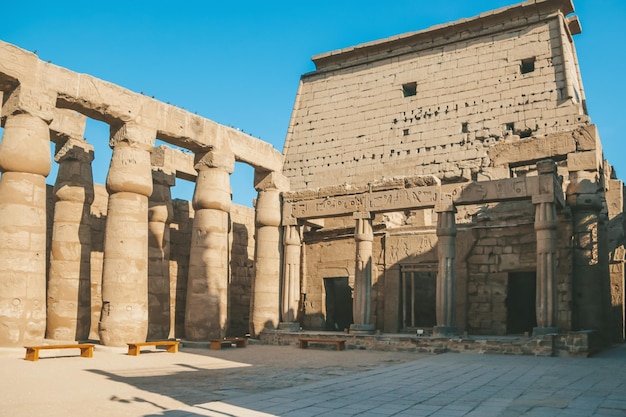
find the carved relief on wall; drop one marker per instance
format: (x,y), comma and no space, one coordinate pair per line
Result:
(416,248)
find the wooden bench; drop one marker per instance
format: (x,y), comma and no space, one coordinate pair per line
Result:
(32,352)
(216,344)
(304,342)
(134,349)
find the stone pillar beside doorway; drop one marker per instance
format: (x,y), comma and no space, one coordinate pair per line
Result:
(291,279)
(445,305)
(546,230)
(206,309)
(265,303)
(362,310)
(584,198)
(124,316)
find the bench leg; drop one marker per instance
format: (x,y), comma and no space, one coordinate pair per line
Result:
(133,350)
(341,345)
(32,354)
(304,344)
(217,345)
(86,352)
(173,348)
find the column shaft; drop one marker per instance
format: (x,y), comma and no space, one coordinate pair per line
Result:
(206,308)
(446,274)
(69,278)
(546,288)
(362,304)
(291,275)
(160,214)
(124,316)
(24,162)
(266,288)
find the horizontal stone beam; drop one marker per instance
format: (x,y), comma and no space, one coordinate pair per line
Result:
(419,197)
(115,105)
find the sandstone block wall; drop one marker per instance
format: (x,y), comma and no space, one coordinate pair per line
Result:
(433,102)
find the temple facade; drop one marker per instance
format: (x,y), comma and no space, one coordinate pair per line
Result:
(443,182)
(451,181)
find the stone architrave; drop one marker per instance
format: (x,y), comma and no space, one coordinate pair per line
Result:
(583,196)
(69,278)
(160,215)
(24,162)
(206,309)
(445,304)
(265,303)
(291,278)
(124,316)
(362,304)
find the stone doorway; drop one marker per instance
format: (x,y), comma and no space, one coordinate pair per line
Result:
(520,302)
(338,303)
(418,287)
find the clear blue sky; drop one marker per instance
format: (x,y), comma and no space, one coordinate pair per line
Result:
(239,62)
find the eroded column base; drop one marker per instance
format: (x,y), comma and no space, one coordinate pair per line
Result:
(540,331)
(289,326)
(445,331)
(362,329)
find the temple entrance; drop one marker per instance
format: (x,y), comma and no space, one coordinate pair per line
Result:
(520,303)
(418,286)
(338,303)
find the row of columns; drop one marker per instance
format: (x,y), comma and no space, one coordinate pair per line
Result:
(136,241)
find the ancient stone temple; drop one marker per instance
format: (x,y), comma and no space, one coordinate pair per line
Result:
(444,182)
(450,180)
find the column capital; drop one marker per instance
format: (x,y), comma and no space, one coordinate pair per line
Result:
(546,166)
(75,149)
(29,99)
(214,159)
(362,215)
(134,135)
(273,180)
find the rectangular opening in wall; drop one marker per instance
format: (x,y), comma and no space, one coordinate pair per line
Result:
(465,127)
(520,303)
(409,89)
(418,284)
(510,127)
(338,303)
(405,132)
(527,65)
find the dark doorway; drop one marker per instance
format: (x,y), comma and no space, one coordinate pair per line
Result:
(520,303)
(338,303)
(418,288)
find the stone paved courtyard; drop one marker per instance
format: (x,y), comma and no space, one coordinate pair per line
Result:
(286,381)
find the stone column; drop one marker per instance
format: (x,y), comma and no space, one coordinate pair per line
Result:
(291,279)
(160,214)
(206,309)
(265,303)
(546,288)
(583,196)
(69,278)
(124,316)
(446,273)
(362,307)
(24,162)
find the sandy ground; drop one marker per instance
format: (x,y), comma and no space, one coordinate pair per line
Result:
(112,383)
